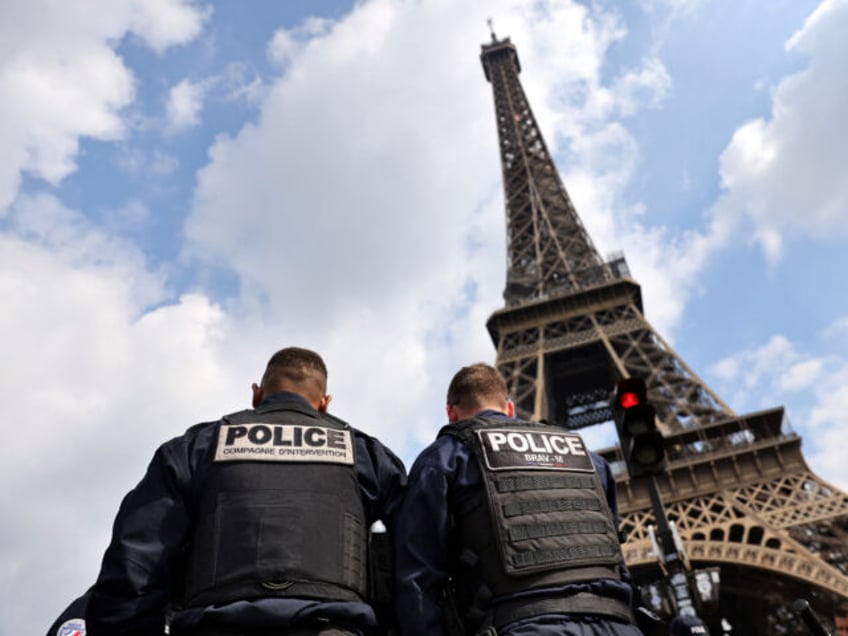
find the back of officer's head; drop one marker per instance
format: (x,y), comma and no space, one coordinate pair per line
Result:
(477,387)
(687,626)
(297,370)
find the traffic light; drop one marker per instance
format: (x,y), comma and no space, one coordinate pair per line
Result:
(635,421)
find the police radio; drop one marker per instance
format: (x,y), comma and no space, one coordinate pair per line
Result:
(635,420)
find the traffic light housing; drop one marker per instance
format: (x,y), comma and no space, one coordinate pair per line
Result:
(635,421)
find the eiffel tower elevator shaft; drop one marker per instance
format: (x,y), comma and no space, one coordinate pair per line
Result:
(736,487)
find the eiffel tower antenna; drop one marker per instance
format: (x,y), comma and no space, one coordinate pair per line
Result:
(492,29)
(737,488)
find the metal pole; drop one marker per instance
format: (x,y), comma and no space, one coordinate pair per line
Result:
(673,563)
(802,608)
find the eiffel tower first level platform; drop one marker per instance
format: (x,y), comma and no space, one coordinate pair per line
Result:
(740,495)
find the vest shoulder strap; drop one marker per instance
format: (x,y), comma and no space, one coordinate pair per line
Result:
(247,416)
(463,430)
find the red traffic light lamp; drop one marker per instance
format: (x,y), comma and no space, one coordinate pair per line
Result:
(635,421)
(628,400)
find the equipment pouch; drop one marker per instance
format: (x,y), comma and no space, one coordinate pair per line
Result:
(381,583)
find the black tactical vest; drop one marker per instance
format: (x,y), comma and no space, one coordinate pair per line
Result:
(542,521)
(279,511)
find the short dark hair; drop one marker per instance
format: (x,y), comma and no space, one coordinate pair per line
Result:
(476,384)
(296,368)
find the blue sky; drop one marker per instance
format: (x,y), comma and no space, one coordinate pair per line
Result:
(187,186)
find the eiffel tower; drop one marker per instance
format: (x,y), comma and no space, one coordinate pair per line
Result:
(736,487)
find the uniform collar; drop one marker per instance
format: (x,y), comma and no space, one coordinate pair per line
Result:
(492,413)
(285,399)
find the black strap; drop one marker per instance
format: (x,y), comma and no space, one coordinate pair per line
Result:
(544,482)
(278,589)
(580,603)
(313,589)
(301,629)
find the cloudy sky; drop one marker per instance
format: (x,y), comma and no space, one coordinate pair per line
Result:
(187,186)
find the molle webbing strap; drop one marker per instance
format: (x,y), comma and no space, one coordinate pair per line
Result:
(563,555)
(581,603)
(543,482)
(355,560)
(561,504)
(555,529)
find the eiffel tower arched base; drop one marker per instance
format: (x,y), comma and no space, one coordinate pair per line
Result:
(751,601)
(774,530)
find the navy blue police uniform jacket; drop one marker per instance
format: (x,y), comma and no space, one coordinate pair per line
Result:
(445,473)
(71,622)
(141,571)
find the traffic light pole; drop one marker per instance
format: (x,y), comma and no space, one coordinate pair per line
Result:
(674,566)
(643,449)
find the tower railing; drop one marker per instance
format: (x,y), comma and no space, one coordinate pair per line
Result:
(721,439)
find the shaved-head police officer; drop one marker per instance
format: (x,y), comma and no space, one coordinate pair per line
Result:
(259,521)
(508,527)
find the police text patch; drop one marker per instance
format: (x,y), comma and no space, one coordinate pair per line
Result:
(516,448)
(284,443)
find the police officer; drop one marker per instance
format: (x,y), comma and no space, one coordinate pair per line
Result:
(508,527)
(687,625)
(71,622)
(259,521)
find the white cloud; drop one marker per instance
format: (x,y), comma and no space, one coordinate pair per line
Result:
(47,104)
(183,106)
(779,371)
(357,193)
(780,175)
(286,44)
(750,369)
(802,376)
(131,215)
(643,87)
(241,82)
(785,174)
(60,78)
(165,23)
(141,163)
(106,366)
(838,328)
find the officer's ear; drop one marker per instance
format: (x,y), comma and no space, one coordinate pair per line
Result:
(324,404)
(453,416)
(257,394)
(510,408)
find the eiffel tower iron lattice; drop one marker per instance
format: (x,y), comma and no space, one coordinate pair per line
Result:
(737,487)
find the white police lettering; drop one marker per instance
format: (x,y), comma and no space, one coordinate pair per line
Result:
(534,449)
(284,443)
